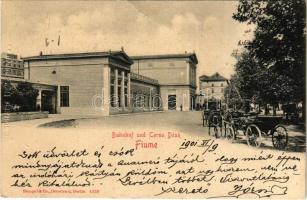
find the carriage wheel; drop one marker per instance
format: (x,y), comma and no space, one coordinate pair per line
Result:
(280,137)
(253,136)
(230,133)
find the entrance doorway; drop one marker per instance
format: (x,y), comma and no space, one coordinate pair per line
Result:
(171,102)
(48,101)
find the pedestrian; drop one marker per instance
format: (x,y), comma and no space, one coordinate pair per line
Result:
(181,107)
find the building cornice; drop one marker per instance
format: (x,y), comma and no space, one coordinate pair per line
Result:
(118,55)
(191,56)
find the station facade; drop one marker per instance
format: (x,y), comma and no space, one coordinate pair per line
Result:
(104,83)
(176,74)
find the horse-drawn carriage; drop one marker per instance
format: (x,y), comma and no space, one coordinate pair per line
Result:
(255,127)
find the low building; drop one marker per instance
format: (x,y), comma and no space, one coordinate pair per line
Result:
(87,83)
(176,74)
(111,82)
(12,66)
(211,89)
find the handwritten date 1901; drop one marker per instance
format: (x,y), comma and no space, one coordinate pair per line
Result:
(208,145)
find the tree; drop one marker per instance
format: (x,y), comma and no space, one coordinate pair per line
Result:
(278,47)
(22,95)
(8,93)
(231,94)
(26,97)
(256,83)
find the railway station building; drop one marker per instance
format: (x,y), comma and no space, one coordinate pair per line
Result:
(176,74)
(105,83)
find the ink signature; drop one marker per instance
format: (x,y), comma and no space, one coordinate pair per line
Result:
(244,192)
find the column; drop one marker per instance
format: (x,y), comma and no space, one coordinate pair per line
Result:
(58,100)
(192,75)
(39,100)
(122,97)
(195,75)
(115,98)
(129,91)
(195,70)
(150,99)
(188,73)
(106,90)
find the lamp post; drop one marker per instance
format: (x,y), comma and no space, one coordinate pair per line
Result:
(207,106)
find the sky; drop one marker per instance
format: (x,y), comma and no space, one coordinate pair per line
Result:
(140,27)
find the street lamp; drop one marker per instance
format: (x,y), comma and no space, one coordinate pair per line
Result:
(207,104)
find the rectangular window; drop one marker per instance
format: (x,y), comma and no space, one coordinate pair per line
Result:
(64,96)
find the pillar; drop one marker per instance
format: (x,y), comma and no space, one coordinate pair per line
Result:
(128,91)
(188,72)
(116,87)
(122,94)
(39,100)
(58,100)
(150,99)
(106,90)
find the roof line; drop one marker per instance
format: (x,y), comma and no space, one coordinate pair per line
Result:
(214,77)
(78,55)
(165,56)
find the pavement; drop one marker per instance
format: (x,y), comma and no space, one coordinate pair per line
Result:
(188,123)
